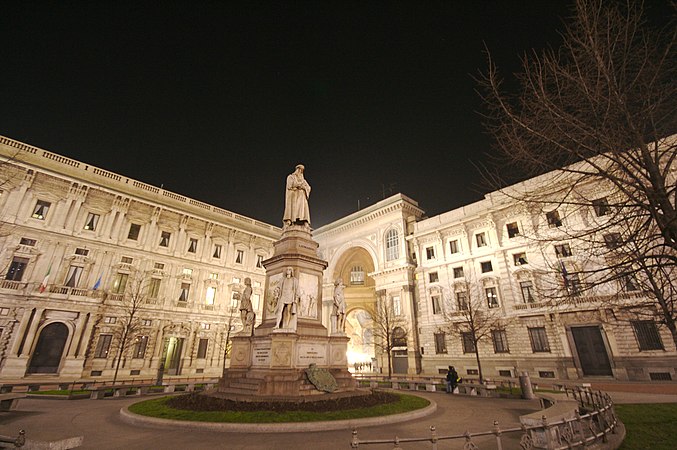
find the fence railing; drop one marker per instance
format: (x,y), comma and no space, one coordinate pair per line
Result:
(591,422)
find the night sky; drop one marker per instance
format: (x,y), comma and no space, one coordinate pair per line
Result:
(220,100)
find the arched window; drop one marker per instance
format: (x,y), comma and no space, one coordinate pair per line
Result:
(392,245)
(357,275)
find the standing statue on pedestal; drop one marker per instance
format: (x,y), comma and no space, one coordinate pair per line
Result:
(296,209)
(288,291)
(338,312)
(246,310)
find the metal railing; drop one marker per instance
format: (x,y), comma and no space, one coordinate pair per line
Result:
(593,426)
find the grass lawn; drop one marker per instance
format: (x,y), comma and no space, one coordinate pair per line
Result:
(158,408)
(59,392)
(649,426)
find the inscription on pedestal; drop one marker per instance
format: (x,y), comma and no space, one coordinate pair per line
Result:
(312,354)
(261,355)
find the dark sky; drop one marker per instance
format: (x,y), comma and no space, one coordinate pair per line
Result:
(220,100)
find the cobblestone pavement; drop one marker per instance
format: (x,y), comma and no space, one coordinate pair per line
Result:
(99,422)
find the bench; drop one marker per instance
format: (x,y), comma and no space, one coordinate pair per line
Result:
(119,390)
(10,401)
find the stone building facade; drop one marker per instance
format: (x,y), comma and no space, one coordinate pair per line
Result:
(78,243)
(83,249)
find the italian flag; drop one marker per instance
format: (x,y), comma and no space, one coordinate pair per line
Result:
(43,285)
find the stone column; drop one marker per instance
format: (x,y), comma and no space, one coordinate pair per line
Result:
(77,334)
(30,337)
(18,335)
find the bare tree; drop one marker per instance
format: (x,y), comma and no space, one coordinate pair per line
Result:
(127,306)
(594,121)
(475,315)
(390,328)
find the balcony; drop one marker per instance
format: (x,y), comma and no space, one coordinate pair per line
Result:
(13,285)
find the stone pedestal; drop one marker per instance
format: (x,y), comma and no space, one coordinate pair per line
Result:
(273,361)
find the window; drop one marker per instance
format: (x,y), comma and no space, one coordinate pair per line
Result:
(239,257)
(29,242)
(468,343)
(202,348)
(73,276)
(462,301)
(147,322)
(92,221)
(601,207)
(613,240)
(397,305)
(500,340)
(357,275)
(213,276)
(259,262)
(205,326)
(134,230)
(81,251)
(119,283)
(184,291)
(430,252)
(154,287)
(110,319)
(236,280)
(572,283)
(527,289)
(563,250)
(210,296)
(140,344)
(492,297)
(647,335)
(539,339)
(16,269)
(217,251)
(103,346)
(188,272)
(126,260)
(164,238)
(234,299)
(513,229)
(392,245)
(629,283)
(458,272)
(440,343)
(486,266)
(158,266)
(433,277)
(437,307)
(520,258)
(481,239)
(40,210)
(192,246)
(453,246)
(553,219)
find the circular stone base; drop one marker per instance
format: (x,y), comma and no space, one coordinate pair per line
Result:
(288,427)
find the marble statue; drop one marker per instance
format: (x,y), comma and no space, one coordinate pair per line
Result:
(338,313)
(246,309)
(288,299)
(296,209)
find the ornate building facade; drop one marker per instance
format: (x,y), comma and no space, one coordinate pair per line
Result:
(96,264)
(87,254)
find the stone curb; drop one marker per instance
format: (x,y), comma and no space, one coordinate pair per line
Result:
(288,427)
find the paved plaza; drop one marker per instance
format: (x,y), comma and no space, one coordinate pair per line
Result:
(99,422)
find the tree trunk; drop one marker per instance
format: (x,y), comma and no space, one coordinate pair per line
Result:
(479,365)
(123,341)
(390,364)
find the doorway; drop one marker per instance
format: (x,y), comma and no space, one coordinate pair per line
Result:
(173,356)
(400,361)
(47,354)
(591,351)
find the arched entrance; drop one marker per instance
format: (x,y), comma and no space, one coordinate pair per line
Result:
(47,354)
(353,267)
(359,328)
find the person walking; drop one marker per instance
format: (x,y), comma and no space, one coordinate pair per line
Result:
(452,380)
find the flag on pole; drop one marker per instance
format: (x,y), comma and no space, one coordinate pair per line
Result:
(43,285)
(98,283)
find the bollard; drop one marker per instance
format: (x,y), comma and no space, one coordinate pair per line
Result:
(525,385)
